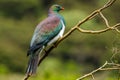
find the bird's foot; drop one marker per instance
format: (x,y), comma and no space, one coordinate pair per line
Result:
(54,45)
(45,50)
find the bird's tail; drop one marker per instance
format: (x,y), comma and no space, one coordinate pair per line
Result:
(33,62)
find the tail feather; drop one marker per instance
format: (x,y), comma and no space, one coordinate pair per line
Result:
(33,61)
(32,64)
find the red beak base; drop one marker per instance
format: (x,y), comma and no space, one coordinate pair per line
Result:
(62,8)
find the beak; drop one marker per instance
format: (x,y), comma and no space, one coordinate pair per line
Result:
(62,8)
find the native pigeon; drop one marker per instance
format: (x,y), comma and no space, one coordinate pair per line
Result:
(46,33)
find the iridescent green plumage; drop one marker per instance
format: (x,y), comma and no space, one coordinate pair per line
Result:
(46,33)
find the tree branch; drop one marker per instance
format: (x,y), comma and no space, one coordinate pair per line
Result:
(94,71)
(77,27)
(102,68)
(105,20)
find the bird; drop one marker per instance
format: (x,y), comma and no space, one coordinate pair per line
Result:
(46,33)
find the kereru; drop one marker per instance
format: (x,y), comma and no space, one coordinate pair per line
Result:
(46,33)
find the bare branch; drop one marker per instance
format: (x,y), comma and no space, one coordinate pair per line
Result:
(93,32)
(94,71)
(92,15)
(106,69)
(109,3)
(114,64)
(102,68)
(117,30)
(114,51)
(92,77)
(105,20)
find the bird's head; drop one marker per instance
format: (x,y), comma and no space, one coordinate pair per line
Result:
(56,8)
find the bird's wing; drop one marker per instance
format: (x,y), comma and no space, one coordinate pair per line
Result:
(45,32)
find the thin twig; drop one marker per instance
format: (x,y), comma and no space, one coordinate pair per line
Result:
(105,20)
(117,30)
(94,71)
(98,31)
(106,69)
(115,51)
(92,77)
(93,32)
(108,4)
(114,64)
(102,68)
(89,74)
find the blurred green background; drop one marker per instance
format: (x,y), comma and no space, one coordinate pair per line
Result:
(78,54)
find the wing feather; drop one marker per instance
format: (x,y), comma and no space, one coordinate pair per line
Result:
(44,32)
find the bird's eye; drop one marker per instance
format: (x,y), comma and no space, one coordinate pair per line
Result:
(57,7)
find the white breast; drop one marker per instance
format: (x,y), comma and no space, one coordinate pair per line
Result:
(59,35)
